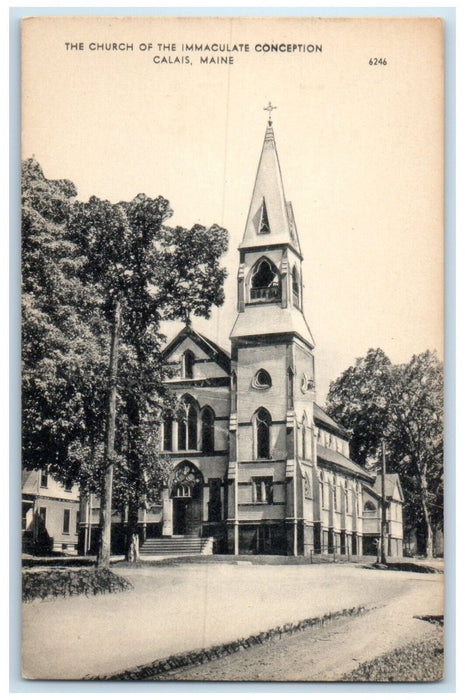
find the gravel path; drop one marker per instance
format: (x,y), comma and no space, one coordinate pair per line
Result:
(328,653)
(187,607)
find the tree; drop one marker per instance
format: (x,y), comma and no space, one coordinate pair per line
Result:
(144,271)
(64,337)
(97,280)
(404,405)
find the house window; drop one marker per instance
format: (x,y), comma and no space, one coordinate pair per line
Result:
(369,509)
(262,489)
(208,430)
(335,503)
(262,432)
(43,479)
(265,282)
(66,514)
(168,433)
(69,486)
(43,516)
(77,522)
(262,380)
(188,364)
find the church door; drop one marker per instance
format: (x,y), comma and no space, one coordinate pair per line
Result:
(187,493)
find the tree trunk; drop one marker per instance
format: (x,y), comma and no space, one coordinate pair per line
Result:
(132,555)
(103,559)
(427,517)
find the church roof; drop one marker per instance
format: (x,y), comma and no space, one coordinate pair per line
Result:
(270,220)
(322,417)
(213,350)
(271,319)
(333,458)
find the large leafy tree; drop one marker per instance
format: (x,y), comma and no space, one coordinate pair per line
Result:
(402,404)
(64,337)
(144,271)
(97,280)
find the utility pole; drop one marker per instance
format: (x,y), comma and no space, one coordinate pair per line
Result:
(383,503)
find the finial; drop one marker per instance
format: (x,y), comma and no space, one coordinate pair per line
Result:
(269,109)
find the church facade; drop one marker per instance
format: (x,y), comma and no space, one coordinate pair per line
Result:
(258,465)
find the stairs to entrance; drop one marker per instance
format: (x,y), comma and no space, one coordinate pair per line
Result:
(176,546)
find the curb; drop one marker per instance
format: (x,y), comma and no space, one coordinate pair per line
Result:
(161,667)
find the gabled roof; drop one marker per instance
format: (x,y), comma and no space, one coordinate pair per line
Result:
(336,459)
(321,417)
(270,220)
(214,351)
(390,483)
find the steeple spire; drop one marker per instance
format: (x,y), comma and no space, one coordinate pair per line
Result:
(270,220)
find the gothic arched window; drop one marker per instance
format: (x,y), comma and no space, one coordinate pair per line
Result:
(187,424)
(208,430)
(168,433)
(304,437)
(295,287)
(265,282)
(188,364)
(262,433)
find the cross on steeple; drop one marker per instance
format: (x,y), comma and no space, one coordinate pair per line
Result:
(269,109)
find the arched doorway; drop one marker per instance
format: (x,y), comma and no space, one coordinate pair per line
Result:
(187,497)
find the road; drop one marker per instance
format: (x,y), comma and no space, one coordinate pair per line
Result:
(176,609)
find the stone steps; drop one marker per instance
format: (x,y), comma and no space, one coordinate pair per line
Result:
(169,546)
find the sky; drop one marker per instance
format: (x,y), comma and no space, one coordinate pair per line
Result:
(360,148)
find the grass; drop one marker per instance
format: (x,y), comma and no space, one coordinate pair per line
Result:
(255,559)
(55,582)
(418,662)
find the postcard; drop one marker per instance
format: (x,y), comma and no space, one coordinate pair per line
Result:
(232,348)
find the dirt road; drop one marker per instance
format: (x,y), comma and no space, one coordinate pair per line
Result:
(177,609)
(327,653)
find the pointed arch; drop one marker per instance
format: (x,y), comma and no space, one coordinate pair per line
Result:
(296,300)
(188,361)
(168,432)
(208,430)
(187,417)
(262,429)
(265,281)
(264,226)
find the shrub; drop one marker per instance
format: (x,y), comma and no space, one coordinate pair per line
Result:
(56,582)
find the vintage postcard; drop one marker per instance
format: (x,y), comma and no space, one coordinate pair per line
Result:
(232,348)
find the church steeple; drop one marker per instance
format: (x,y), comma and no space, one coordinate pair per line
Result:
(270,271)
(270,220)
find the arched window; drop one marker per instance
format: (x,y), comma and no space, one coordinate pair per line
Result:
(262,433)
(290,388)
(208,430)
(264,226)
(168,433)
(369,507)
(265,282)
(295,287)
(187,424)
(233,392)
(261,380)
(188,364)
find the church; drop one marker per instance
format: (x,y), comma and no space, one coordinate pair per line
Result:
(258,466)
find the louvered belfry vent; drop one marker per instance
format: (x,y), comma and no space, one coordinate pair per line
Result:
(264,223)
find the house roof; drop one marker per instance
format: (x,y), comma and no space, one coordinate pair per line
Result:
(214,351)
(338,460)
(391,481)
(320,416)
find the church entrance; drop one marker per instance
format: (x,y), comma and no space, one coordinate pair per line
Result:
(186,494)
